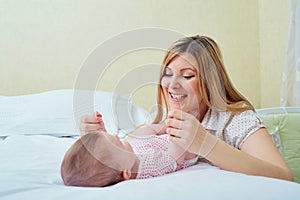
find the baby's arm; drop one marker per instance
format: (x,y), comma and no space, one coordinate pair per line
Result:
(149,129)
(176,152)
(179,154)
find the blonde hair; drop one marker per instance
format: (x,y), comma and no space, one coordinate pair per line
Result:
(80,167)
(217,91)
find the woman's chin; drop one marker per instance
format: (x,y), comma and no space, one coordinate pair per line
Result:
(177,107)
(194,112)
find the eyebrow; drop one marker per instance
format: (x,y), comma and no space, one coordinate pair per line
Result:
(184,69)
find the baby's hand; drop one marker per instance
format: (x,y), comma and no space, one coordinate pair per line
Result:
(158,129)
(92,123)
(101,123)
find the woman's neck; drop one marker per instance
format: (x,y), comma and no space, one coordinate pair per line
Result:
(200,112)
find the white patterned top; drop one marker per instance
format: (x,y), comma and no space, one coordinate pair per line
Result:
(233,128)
(154,158)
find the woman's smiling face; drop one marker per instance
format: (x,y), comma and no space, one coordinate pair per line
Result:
(180,84)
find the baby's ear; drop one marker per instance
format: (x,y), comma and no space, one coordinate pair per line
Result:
(126,174)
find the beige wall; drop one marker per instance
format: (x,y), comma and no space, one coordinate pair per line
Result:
(43,43)
(274,25)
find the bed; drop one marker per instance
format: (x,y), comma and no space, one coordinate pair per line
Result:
(37,129)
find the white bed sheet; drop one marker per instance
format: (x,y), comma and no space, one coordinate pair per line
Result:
(30,169)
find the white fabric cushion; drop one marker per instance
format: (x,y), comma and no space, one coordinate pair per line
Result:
(53,113)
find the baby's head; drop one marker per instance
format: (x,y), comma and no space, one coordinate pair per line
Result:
(93,161)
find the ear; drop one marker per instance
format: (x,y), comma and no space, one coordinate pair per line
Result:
(126,174)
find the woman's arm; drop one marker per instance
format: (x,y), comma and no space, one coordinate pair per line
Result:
(258,154)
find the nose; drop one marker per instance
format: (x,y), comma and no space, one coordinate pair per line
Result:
(174,82)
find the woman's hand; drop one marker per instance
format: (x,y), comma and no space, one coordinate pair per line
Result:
(92,123)
(187,132)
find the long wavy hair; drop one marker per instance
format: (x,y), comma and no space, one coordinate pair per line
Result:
(215,86)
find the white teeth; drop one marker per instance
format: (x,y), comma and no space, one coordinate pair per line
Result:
(177,96)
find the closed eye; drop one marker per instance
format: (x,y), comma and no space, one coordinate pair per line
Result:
(188,77)
(168,75)
(167,72)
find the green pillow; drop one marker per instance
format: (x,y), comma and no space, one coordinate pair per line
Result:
(287,123)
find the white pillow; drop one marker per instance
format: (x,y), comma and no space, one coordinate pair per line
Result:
(54,112)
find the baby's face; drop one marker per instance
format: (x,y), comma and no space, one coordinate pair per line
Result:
(115,141)
(119,154)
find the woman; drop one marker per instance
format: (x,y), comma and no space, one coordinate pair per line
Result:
(206,115)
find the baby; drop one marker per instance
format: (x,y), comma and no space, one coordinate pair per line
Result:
(102,159)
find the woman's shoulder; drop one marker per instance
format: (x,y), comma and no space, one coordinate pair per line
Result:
(246,116)
(238,120)
(241,126)
(225,116)
(233,127)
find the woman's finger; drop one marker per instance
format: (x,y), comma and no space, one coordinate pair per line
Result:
(177,141)
(174,123)
(178,114)
(173,132)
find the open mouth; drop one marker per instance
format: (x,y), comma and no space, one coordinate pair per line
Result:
(177,96)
